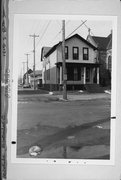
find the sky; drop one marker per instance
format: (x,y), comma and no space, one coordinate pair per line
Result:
(49,30)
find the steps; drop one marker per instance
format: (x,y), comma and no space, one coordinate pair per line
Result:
(93,88)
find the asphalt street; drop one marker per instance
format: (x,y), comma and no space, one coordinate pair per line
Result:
(82,126)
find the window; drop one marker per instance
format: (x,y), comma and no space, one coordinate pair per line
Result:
(85,53)
(66,52)
(75,53)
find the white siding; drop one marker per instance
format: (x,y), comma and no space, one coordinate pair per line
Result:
(75,42)
(50,64)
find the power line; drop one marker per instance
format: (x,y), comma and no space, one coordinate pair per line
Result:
(44,32)
(60,30)
(76,28)
(87,28)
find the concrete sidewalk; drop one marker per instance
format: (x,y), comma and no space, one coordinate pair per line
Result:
(59,97)
(73,97)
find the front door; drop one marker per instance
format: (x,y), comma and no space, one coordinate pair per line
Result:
(87,75)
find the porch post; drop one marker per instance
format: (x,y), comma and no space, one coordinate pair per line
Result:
(84,75)
(93,74)
(97,75)
(60,74)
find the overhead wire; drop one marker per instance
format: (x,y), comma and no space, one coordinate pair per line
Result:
(88,28)
(43,32)
(60,31)
(76,29)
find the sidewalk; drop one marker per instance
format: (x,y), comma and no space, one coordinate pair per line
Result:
(59,97)
(75,97)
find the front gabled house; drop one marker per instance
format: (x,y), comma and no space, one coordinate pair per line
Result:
(82,65)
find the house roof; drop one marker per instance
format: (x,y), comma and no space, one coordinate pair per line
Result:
(29,72)
(109,46)
(75,35)
(103,42)
(44,51)
(37,73)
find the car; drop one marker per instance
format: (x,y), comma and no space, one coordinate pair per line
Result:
(26,86)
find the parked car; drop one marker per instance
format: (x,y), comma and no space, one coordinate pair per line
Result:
(26,86)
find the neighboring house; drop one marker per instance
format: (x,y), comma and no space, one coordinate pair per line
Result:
(104,45)
(82,65)
(44,51)
(38,79)
(26,80)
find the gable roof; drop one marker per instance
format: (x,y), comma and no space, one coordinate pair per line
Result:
(44,51)
(109,46)
(37,73)
(75,35)
(103,42)
(29,72)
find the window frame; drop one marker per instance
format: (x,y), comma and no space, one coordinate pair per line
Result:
(77,55)
(87,54)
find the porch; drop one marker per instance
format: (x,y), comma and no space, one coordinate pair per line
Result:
(79,73)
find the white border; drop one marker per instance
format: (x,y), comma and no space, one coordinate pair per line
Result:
(113,95)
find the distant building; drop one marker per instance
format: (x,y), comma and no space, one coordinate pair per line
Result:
(82,64)
(104,45)
(37,79)
(44,51)
(25,80)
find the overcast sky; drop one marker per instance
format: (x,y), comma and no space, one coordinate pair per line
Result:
(49,31)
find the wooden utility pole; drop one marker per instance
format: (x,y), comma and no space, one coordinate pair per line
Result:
(23,71)
(64,63)
(34,36)
(27,68)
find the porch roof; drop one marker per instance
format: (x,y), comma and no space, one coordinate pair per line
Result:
(70,64)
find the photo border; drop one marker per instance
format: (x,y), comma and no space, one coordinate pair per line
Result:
(113,98)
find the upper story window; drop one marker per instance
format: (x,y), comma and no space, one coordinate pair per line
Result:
(85,54)
(75,53)
(66,52)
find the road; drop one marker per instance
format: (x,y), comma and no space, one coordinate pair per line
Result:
(81,126)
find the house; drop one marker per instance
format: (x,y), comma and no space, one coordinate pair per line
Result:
(82,64)
(37,79)
(104,45)
(26,77)
(44,50)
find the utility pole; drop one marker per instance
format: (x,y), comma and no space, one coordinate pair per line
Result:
(23,70)
(27,68)
(34,36)
(64,63)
